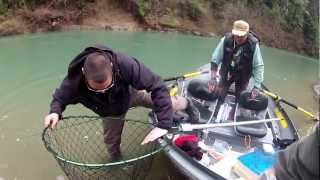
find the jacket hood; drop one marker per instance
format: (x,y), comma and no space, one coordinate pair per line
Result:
(76,64)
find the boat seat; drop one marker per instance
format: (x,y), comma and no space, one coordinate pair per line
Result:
(204,100)
(255,130)
(251,109)
(259,103)
(198,88)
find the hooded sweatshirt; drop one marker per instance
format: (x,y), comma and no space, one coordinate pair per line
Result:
(127,73)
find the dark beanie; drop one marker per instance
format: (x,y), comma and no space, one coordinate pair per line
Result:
(97,67)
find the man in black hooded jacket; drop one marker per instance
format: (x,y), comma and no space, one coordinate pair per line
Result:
(109,83)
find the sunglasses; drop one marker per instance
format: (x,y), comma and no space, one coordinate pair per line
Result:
(99,90)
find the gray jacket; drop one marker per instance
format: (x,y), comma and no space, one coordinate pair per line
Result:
(301,159)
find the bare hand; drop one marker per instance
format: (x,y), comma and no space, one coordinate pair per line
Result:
(211,86)
(154,134)
(51,120)
(254,93)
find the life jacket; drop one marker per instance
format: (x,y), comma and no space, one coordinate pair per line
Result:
(237,61)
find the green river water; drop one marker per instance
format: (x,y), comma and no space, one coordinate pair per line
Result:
(32,66)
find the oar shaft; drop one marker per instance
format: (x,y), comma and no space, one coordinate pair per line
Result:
(270,94)
(298,108)
(306,112)
(190,127)
(192,74)
(186,75)
(173,78)
(275,97)
(288,103)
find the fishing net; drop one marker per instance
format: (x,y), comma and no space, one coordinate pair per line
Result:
(78,146)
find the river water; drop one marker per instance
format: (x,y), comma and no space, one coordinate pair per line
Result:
(32,66)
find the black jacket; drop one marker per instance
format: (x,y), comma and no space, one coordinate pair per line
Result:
(243,64)
(128,73)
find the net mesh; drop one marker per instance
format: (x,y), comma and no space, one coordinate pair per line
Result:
(77,144)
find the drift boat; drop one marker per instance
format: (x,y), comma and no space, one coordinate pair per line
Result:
(222,147)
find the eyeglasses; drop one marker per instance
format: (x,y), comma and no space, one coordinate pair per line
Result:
(100,90)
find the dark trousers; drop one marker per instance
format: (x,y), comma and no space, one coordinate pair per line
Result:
(224,85)
(240,85)
(113,125)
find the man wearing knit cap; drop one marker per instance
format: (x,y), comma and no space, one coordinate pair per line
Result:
(109,83)
(238,54)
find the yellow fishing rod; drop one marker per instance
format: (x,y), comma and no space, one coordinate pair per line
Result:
(279,99)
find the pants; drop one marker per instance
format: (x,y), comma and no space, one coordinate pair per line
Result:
(113,126)
(224,85)
(240,86)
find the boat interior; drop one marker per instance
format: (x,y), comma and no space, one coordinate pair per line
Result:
(221,146)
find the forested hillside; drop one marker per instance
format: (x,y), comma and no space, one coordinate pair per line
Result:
(286,24)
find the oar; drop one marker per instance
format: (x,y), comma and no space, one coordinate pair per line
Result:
(174,89)
(188,75)
(190,127)
(279,99)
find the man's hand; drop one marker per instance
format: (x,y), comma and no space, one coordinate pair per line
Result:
(213,81)
(51,120)
(154,134)
(211,85)
(254,93)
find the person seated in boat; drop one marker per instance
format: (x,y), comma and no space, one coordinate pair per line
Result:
(240,58)
(109,83)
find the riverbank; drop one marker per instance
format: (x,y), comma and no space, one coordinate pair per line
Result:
(203,18)
(108,16)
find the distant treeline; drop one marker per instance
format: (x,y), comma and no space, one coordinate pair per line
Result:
(290,24)
(291,15)
(7,5)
